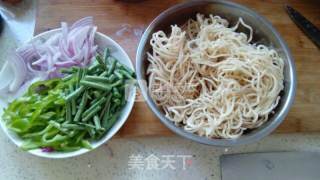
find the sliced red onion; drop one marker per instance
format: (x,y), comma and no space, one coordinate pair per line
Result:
(47,149)
(86,21)
(73,46)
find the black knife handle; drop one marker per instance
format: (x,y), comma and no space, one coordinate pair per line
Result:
(305,25)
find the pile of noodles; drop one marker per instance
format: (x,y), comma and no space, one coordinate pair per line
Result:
(209,79)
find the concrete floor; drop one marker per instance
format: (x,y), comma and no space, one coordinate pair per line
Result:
(114,160)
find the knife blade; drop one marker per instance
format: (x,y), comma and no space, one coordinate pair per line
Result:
(305,25)
(272,165)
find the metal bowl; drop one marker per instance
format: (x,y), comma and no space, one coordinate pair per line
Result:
(264,33)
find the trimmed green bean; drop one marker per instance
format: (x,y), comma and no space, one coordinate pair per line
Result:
(68,112)
(97,94)
(79,75)
(125,74)
(86,125)
(80,137)
(117,101)
(112,66)
(117,83)
(96,121)
(100,61)
(118,74)
(105,108)
(91,113)
(100,86)
(112,120)
(111,78)
(72,126)
(67,78)
(106,54)
(81,106)
(116,93)
(105,73)
(98,103)
(96,79)
(73,101)
(93,67)
(75,93)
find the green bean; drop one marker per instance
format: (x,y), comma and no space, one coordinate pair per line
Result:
(88,96)
(86,125)
(98,103)
(100,61)
(123,101)
(106,54)
(118,74)
(67,78)
(99,86)
(130,71)
(93,67)
(66,71)
(80,137)
(105,108)
(116,93)
(111,78)
(96,79)
(84,72)
(112,120)
(91,132)
(68,112)
(117,83)
(103,74)
(73,101)
(106,115)
(75,93)
(125,74)
(112,66)
(97,94)
(91,114)
(81,106)
(79,75)
(96,121)
(72,126)
(94,101)
(117,101)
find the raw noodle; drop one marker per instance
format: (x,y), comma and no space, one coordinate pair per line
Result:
(211,80)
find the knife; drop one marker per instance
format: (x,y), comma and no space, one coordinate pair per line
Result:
(271,165)
(305,25)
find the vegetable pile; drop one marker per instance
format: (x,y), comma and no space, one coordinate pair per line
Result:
(66,114)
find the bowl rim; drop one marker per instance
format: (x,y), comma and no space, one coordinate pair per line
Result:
(116,127)
(250,138)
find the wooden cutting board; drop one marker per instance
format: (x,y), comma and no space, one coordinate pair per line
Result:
(125,22)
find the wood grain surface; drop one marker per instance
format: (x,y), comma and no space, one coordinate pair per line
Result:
(124,21)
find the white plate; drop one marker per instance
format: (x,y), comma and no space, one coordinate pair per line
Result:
(103,42)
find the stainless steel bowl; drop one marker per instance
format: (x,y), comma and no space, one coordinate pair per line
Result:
(264,33)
